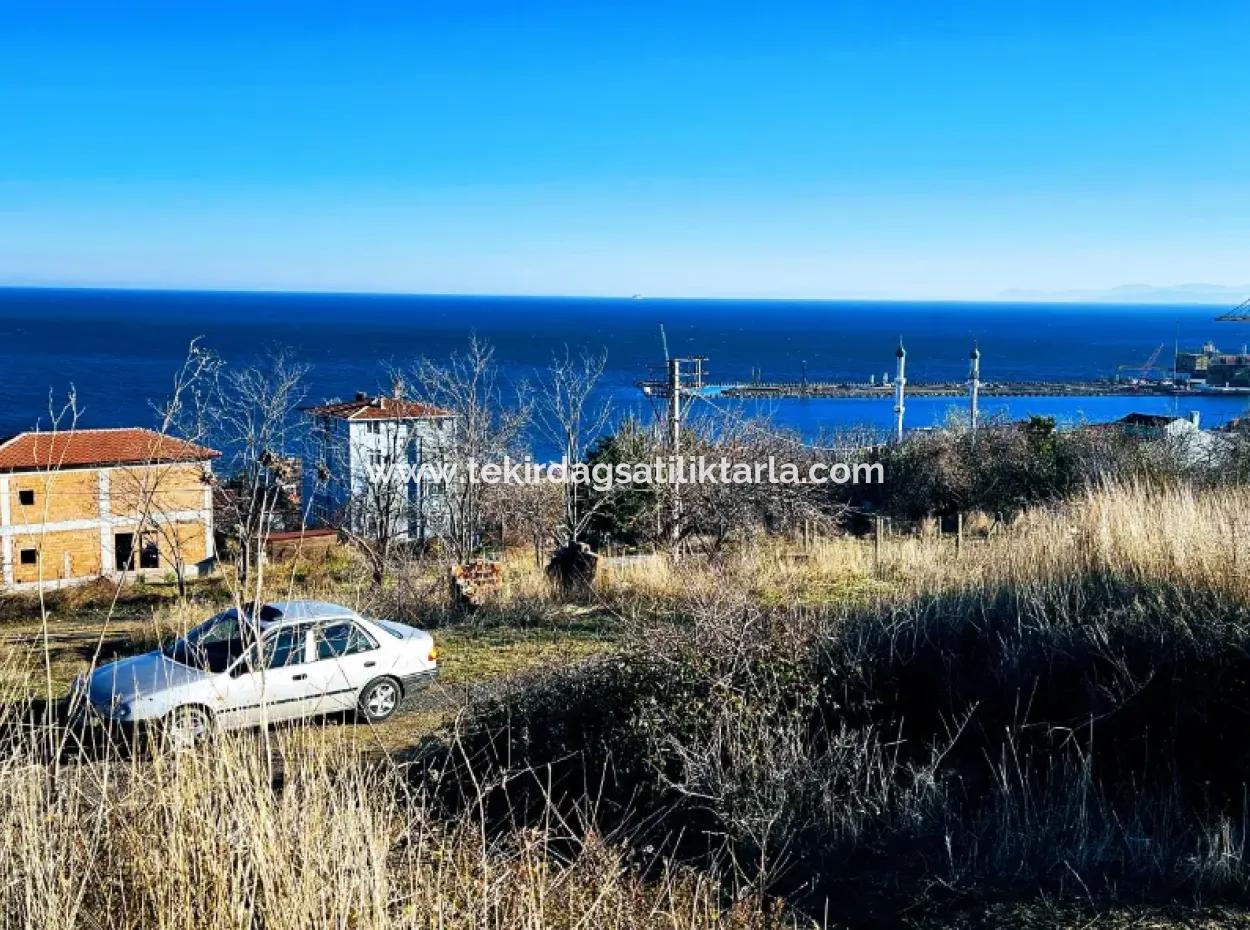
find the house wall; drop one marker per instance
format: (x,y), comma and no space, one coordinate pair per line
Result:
(63,555)
(78,512)
(157,489)
(59,496)
(346,448)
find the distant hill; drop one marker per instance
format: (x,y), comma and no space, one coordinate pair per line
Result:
(1141,294)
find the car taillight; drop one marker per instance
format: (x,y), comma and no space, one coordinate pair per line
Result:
(433,656)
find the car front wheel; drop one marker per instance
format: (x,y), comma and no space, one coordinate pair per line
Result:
(188,727)
(379,700)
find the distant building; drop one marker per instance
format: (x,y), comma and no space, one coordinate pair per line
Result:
(1194,443)
(1213,367)
(1157,426)
(99,502)
(365,458)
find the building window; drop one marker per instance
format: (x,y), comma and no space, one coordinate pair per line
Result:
(124,551)
(29,557)
(150,553)
(373,427)
(26,497)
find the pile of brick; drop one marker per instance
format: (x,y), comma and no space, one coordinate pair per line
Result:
(475,583)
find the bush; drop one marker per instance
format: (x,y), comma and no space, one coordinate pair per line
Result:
(1006,467)
(1004,736)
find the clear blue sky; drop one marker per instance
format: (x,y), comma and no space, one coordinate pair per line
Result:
(889,149)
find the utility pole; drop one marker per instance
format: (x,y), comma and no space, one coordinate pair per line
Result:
(683,377)
(974,385)
(900,383)
(674,405)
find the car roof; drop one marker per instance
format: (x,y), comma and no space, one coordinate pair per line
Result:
(280,612)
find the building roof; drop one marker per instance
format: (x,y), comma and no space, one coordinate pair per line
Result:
(1148,419)
(76,448)
(365,407)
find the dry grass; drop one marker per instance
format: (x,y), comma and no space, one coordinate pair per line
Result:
(1178,534)
(298,828)
(285,831)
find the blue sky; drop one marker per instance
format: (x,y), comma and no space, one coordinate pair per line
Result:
(879,149)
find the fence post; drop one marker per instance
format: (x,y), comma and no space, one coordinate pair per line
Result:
(959,532)
(878,526)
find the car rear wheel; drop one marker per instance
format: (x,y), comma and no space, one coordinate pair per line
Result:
(188,726)
(380,699)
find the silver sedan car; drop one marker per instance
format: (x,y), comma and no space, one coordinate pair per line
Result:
(283,661)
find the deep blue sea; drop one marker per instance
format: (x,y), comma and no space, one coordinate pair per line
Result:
(120,349)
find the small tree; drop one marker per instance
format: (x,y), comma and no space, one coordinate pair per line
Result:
(483,429)
(157,490)
(625,513)
(258,419)
(569,416)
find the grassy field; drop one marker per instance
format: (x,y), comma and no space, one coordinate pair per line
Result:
(1043,728)
(40,657)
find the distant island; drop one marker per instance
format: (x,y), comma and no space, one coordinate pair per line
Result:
(1139,294)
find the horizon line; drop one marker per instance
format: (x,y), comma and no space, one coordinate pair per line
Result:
(640,298)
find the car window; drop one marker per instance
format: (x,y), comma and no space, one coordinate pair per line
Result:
(214,644)
(342,639)
(285,647)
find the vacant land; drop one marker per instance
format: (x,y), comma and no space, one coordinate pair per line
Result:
(1040,728)
(39,658)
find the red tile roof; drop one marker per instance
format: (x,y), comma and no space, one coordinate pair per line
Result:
(126,446)
(379,408)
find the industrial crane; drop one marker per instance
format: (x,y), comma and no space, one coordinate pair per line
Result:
(1144,369)
(1239,314)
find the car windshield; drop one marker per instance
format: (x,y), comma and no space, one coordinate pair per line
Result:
(214,644)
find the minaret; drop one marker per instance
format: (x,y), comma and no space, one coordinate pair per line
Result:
(900,382)
(974,385)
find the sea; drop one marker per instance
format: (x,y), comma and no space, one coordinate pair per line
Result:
(119,350)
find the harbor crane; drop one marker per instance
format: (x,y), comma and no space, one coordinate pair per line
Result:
(1143,369)
(1239,314)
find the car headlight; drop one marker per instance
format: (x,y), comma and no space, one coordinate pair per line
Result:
(121,710)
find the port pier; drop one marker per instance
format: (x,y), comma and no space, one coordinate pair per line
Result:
(834,389)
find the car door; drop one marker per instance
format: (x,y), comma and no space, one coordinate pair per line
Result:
(345,659)
(271,682)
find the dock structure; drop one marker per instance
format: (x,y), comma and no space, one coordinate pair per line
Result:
(955,389)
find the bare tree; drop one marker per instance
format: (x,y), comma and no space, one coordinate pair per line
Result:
(484,429)
(159,491)
(571,419)
(744,498)
(258,420)
(537,511)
